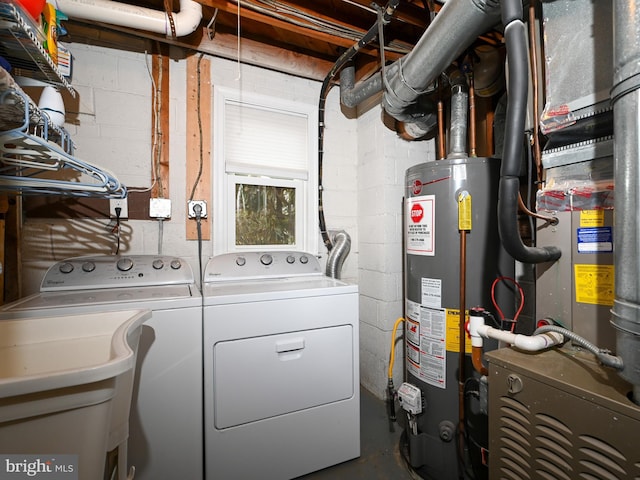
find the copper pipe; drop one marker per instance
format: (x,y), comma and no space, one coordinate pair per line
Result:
(472,119)
(462,334)
(546,218)
(441,138)
(533,55)
(476,358)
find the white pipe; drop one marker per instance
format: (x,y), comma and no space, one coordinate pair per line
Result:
(533,343)
(186,20)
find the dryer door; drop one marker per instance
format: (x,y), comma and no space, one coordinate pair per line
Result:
(262,377)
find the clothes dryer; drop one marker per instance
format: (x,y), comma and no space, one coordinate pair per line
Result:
(281,367)
(165,428)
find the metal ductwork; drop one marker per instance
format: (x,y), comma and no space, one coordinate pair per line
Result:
(184,22)
(625,96)
(457,25)
(338,254)
(459,117)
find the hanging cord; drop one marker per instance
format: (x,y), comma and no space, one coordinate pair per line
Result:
(200,146)
(495,303)
(197,209)
(116,229)
(367,38)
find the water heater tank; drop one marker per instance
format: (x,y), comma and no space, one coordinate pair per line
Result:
(432,287)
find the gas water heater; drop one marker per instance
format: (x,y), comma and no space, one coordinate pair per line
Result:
(444,198)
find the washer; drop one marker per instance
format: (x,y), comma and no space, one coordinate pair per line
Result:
(281,367)
(165,428)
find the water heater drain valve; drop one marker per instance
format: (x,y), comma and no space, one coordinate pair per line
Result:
(410,398)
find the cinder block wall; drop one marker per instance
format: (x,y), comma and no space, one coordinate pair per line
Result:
(383,159)
(364,166)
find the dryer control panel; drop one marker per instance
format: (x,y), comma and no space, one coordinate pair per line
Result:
(113,271)
(252,265)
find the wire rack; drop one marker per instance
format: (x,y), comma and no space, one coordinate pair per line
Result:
(36,156)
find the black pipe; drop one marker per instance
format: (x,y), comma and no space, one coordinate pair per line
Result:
(509,187)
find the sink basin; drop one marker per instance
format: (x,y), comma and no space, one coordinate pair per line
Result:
(65,384)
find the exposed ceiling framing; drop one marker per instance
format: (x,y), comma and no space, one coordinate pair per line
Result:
(302,37)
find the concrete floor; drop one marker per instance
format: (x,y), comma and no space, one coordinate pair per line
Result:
(379,454)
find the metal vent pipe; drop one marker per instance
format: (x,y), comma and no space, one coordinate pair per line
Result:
(338,254)
(625,97)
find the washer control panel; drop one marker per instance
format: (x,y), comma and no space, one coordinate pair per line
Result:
(247,265)
(113,271)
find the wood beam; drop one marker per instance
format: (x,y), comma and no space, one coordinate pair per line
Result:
(160,123)
(276,23)
(198,155)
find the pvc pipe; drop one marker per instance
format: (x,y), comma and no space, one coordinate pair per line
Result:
(186,21)
(532,343)
(478,330)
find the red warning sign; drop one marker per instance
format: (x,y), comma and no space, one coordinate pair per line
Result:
(417,213)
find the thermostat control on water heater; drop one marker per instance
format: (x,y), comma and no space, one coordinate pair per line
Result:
(410,398)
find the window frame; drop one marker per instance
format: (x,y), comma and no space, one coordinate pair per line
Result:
(224,182)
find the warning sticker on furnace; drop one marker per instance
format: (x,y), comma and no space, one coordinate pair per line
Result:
(420,225)
(594,284)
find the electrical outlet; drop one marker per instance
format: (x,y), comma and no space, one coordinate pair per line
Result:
(192,208)
(160,208)
(120,203)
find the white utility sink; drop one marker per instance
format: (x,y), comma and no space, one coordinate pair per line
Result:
(65,384)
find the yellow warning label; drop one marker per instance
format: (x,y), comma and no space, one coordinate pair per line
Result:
(453,331)
(594,284)
(464,211)
(592,218)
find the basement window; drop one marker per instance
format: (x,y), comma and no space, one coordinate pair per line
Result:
(264,173)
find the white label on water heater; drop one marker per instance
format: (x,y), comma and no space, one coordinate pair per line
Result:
(431,293)
(426,352)
(421,225)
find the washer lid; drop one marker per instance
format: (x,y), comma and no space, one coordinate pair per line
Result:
(96,297)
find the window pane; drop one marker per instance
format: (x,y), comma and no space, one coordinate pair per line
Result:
(265,215)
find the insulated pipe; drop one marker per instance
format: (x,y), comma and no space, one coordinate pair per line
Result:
(338,254)
(459,107)
(186,21)
(509,187)
(625,97)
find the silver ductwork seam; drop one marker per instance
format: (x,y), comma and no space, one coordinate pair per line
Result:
(625,97)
